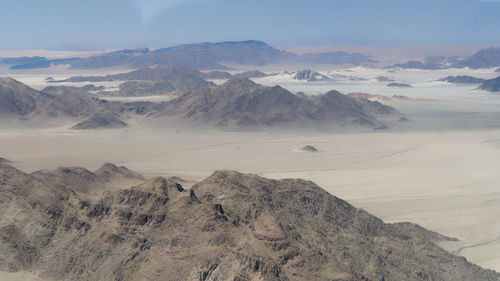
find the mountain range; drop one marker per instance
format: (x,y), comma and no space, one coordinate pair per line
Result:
(66,225)
(236,103)
(195,56)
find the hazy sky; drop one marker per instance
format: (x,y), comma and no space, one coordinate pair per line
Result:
(100,24)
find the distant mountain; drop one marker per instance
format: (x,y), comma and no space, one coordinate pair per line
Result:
(125,57)
(337,58)
(421,65)
(199,56)
(243,103)
(491,85)
(250,74)
(498,70)
(57,90)
(216,74)
(482,59)
(462,79)
(149,81)
(309,75)
(141,88)
(34,62)
(17,99)
(229,226)
(399,85)
(242,75)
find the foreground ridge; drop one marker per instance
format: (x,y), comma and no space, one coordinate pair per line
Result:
(230,226)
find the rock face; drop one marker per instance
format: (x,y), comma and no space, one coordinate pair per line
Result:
(101,120)
(243,103)
(491,85)
(17,99)
(462,79)
(310,76)
(230,226)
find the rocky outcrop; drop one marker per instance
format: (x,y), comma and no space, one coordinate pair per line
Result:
(230,226)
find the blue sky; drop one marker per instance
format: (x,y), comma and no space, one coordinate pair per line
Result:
(100,24)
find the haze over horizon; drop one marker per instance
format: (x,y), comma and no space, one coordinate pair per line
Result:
(154,23)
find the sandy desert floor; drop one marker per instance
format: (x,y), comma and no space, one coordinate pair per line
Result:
(445,181)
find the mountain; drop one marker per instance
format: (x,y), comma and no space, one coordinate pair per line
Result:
(124,57)
(57,90)
(498,70)
(250,74)
(216,74)
(421,65)
(462,79)
(482,59)
(171,78)
(100,120)
(17,99)
(337,58)
(310,76)
(230,226)
(241,102)
(199,56)
(72,104)
(399,85)
(491,85)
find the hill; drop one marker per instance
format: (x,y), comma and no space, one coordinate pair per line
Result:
(462,79)
(310,76)
(491,85)
(241,102)
(17,99)
(230,226)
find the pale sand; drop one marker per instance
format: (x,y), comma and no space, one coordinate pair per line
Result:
(447,182)
(19,276)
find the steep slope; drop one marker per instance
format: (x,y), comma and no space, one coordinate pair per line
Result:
(242,102)
(230,226)
(17,99)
